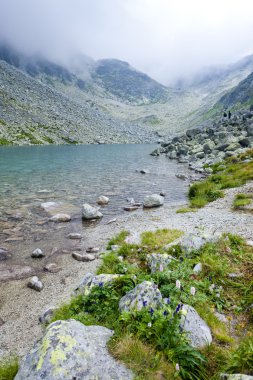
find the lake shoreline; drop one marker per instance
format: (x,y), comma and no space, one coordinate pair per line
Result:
(21,306)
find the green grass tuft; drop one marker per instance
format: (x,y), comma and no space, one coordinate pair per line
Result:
(242,200)
(118,239)
(233,172)
(184,210)
(159,238)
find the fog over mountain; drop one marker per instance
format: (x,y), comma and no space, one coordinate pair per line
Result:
(166,39)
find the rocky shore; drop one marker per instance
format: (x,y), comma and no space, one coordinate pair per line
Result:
(21,306)
(201,147)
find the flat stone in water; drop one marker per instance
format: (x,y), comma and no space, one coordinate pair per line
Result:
(15,272)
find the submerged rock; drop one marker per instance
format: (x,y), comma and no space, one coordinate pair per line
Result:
(70,350)
(154,200)
(145,294)
(196,328)
(49,206)
(90,212)
(15,272)
(102,200)
(59,218)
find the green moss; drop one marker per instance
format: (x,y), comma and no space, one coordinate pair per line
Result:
(242,200)
(8,368)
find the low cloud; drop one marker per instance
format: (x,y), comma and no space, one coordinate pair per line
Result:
(165,38)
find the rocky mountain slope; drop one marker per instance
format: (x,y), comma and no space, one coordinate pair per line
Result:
(240,95)
(126,83)
(105,101)
(32,112)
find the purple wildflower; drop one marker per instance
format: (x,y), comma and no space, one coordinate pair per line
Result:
(144,303)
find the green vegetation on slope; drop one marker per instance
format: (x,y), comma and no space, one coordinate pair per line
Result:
(233,172)
(151,342)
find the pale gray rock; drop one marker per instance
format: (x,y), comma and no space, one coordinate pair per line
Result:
(35,284)
(37,253)
(159,261)
(90,280)
(192,242)
(198,268)
(60,218)
(221,317)
(145,294)
(70,350)
(197,330)
(75,236)
(102,200)
(90,212)
(114,247)
(87,257)
(154,200)
(236,376)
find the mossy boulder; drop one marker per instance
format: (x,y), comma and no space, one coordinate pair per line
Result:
(70,350)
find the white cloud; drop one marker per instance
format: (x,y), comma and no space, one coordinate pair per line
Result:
(165,38)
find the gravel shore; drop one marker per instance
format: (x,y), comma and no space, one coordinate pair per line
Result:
(20,307)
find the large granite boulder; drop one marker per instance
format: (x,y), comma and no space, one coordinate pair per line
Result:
(90,280)
(90,212)
(69,350)
(158,262)
(153,200)
(145,294)
(196,328)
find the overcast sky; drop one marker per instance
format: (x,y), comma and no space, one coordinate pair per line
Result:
(164,38)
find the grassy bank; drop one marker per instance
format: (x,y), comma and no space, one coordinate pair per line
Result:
(233,172)
(151,342)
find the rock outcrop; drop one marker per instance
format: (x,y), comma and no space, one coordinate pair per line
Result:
(201,147)
(69,350)
(196,328)
(145,294)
